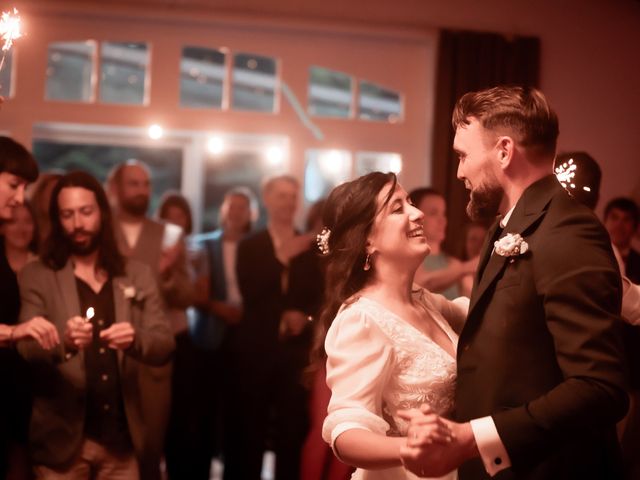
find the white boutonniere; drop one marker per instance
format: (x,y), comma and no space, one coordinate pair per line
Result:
(511,245)
(130,293)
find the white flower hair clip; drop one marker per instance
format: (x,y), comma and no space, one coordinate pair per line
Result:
(322,240)
(511,245)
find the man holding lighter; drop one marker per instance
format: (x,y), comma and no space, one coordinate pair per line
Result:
(87,419)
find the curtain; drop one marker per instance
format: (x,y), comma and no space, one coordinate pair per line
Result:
(470,61)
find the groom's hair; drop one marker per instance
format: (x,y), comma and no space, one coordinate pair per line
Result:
(520,111)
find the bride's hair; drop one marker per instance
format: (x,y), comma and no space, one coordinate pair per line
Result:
(349,213)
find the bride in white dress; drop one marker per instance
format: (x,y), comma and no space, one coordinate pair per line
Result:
(390,345)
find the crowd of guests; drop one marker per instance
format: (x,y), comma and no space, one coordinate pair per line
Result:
(135,343)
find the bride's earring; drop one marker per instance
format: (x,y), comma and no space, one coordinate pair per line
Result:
(367,263)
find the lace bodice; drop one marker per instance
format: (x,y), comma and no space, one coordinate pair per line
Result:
(378,364)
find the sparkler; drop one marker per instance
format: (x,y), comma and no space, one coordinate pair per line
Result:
(9,31)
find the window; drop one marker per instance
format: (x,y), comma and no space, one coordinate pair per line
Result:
(330,93)
(324,170)
(239,161)
(367,162)
(6,85)
(70,67)
(202,74)
(378,103)
(254,83)
(123,72)
(165,163)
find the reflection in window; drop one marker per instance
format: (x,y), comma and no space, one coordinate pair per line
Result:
(254,82)
(165,163)
(6,85)
(70,71)
(377,103)
(202,73)
(367,162)
(324,170)
(123,72)
(235,167)
(330,93)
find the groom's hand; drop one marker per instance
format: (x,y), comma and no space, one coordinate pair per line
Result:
(428,456)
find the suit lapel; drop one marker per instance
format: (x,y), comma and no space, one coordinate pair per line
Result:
(529,209)
(68,290)
(121,306)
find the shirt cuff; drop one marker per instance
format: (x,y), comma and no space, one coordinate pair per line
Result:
(492,452)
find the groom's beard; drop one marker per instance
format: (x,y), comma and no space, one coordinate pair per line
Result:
(484,202)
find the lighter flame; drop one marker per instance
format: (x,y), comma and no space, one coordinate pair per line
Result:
(90,313)
(9,28)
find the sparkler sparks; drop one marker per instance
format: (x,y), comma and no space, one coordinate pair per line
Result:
(9,31)
(566,172)
(9,28)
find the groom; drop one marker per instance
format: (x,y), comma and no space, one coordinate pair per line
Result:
(540,374)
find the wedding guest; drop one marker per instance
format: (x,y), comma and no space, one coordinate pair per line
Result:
(540,375)
(17,169)
(440,272)
(580,175)
(218,309)
(475,233)
(160,247)
(181,444)
(20,235)
(87,419)
(264,385)
(621,219)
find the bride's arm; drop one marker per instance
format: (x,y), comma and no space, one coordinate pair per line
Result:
(359,363)
(368,450)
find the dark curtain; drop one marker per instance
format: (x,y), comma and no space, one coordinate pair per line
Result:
(470,61)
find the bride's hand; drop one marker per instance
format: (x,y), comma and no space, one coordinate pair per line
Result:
(426,427)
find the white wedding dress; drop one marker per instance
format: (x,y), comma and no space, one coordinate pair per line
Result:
(378,364)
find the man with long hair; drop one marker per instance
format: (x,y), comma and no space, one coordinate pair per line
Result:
(87,417)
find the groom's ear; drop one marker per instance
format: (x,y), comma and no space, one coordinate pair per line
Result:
(506,148)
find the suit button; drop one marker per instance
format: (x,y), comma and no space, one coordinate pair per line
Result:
(465,348)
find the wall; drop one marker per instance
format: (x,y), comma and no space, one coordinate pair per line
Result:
(590,60)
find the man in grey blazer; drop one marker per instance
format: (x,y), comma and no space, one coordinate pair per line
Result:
(148,241)
(87,415)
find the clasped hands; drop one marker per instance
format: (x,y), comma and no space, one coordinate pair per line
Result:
(79,333)
(435,446)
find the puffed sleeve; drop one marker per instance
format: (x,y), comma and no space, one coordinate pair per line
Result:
(359,362)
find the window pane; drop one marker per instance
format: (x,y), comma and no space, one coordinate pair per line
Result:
(377,103)
(367,162)
(70,71)
(6,89)
(202,74)
(165,163)
(123,70)
(329,93)
(235,168)
(254,82)
(324,170)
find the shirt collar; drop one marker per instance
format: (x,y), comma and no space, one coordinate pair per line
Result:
(507,216)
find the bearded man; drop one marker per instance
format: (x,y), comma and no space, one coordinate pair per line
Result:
(87,419)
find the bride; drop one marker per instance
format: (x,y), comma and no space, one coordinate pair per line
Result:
(390,345)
